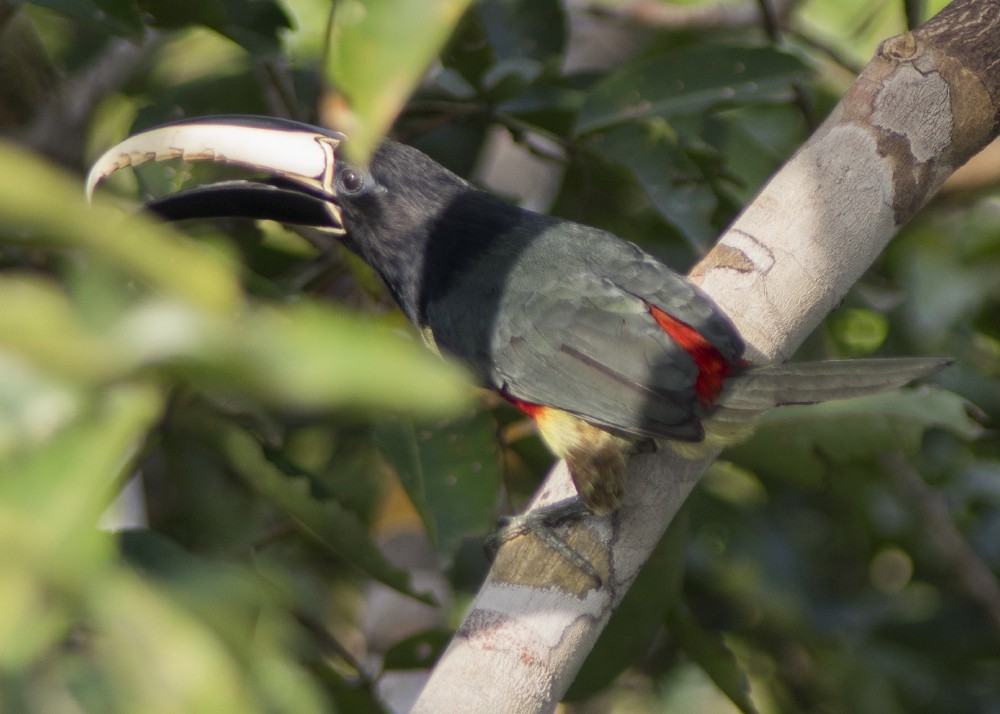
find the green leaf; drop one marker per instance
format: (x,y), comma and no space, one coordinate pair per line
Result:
(734,485)
(65,483)
(550,107)
(315,356)
(184,13)
(256,25)
(418,651)
(379,51)
(709,651)
(119,17)
(944,290)
(451,472)
(636,622)
(524,28)
(51,496)
(690,80)
(30,188)
(860,331)
(125,12)
(510,77)
(306,356)
(254,619)
(674,183)
(325,522)
(158,658)
(798,442)
(40,325)
(754,140)
(227,597)
(33,404)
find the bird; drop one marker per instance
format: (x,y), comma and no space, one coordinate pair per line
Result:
(603,345)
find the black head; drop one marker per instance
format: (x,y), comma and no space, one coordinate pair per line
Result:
(384,211)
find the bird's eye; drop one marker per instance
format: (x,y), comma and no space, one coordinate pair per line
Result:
(351,181)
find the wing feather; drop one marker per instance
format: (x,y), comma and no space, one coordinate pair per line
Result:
(566,324)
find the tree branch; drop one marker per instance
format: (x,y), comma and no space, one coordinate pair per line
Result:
(926,102)
(58,128)
(974,576)
(667,16)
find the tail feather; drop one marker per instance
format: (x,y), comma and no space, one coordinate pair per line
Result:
(811,382)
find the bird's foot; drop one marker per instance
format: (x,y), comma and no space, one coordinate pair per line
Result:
(645,446)
(542,522)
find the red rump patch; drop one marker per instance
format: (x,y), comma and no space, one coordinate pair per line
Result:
(712,366)
(529,409)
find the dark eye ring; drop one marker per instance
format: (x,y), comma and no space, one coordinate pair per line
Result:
(351,181)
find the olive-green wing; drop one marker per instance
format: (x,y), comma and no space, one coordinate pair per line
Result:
(567,325)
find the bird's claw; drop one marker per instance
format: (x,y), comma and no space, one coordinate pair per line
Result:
(543,522)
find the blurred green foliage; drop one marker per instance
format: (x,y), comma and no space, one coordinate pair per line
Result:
(314,487)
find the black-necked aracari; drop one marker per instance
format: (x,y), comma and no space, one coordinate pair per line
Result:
(596,340)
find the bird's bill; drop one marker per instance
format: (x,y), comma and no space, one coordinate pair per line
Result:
(297,162)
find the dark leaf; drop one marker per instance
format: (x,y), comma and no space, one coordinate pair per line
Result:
(228,597)
(524,28)
(674,183)
(379,52)
(418,651)
(451,472)
(254,24)
(689,80)
(753,139)
(709,651)
(551,107)
(508,78)
(325,522)
(798,442)
(119,17)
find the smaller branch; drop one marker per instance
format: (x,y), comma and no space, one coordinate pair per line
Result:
(325,86)
(446,111)
(59,125)
(521,131)
(772,28)
(665,16)
(278,88)
(769,20)
(27,72)
(330,646)
(825,48)
(974,577)
(913,9)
